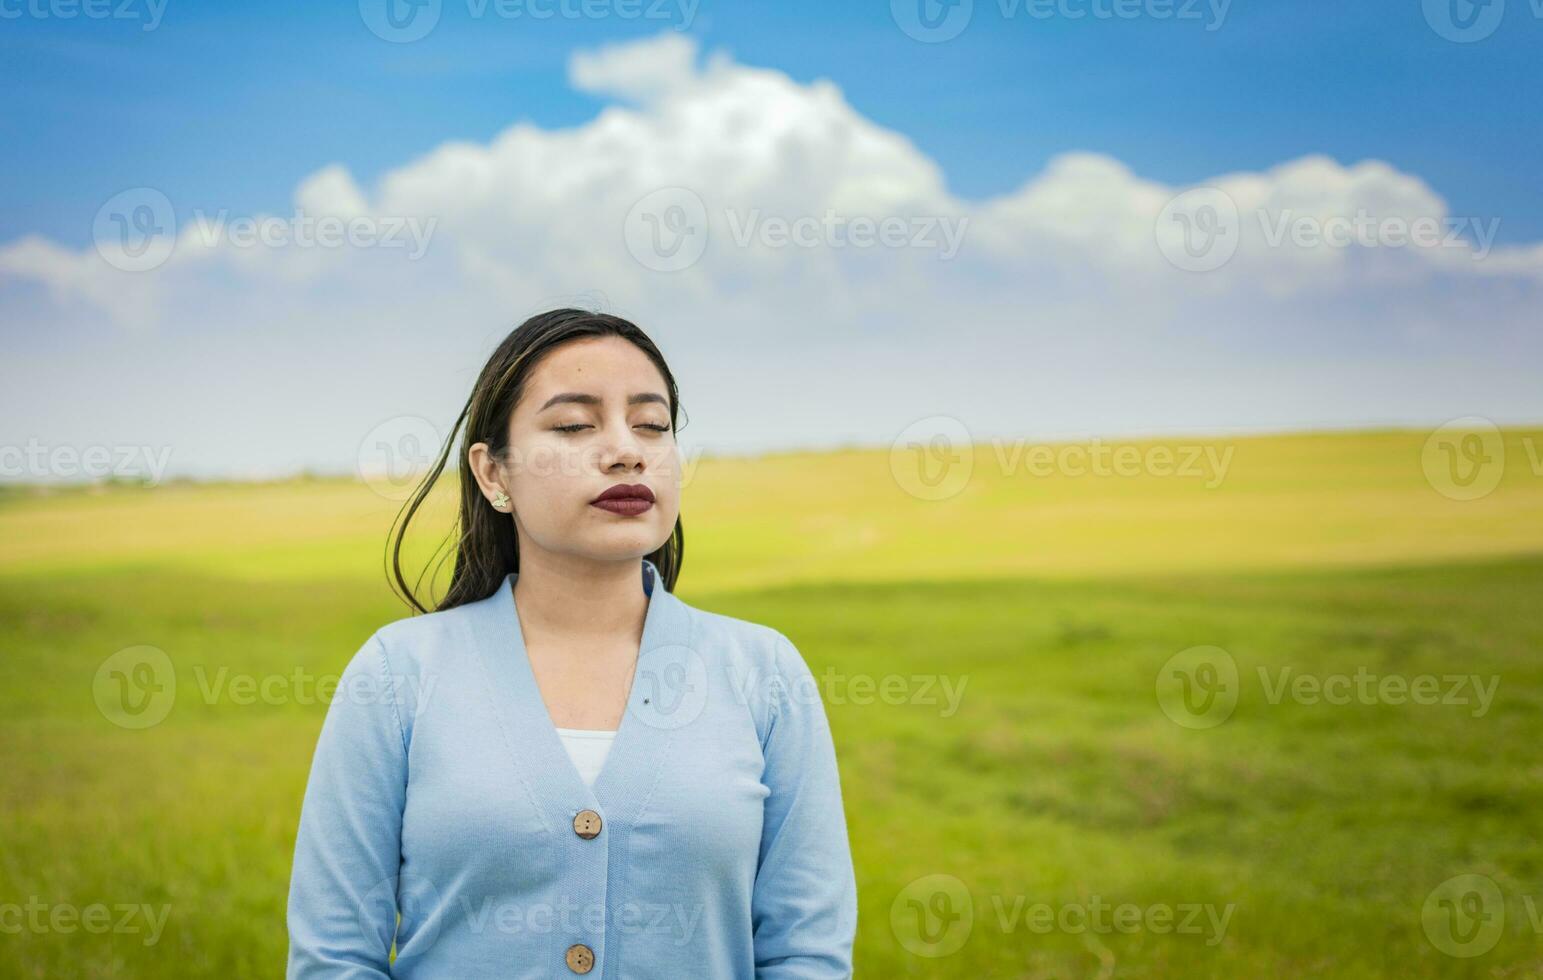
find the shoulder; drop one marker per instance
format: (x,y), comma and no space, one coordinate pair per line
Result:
(744,642)
(425,636)
(765,668)
(402,663)
(413,651)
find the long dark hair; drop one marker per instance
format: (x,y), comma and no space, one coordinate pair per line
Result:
(486,548)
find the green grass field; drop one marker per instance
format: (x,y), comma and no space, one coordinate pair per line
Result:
(1090,832)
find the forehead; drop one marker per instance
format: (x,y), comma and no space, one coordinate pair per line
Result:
(596,365)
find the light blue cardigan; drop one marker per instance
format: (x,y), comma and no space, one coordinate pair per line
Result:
(441,791)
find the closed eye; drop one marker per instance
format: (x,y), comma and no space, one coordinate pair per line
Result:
(584,425)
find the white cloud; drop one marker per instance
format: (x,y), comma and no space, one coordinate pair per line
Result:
(642,71)
(331,190)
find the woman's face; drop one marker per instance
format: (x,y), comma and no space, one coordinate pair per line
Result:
(595,415)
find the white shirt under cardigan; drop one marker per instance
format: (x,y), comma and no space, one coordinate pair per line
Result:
(711,844)
(587,747)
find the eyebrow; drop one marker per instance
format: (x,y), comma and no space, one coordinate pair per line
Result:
(583,398)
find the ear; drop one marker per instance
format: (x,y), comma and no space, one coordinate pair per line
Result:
(486,471)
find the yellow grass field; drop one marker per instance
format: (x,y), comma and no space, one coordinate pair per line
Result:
(1368,836)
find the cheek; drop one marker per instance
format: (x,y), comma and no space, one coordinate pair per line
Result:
(547,479)
(667,470)
(666,481)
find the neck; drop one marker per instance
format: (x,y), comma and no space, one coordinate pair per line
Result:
(580,597)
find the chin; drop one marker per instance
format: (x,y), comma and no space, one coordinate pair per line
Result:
(616,547)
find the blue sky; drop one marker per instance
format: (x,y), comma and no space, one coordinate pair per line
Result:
(1065,156)
(229,104)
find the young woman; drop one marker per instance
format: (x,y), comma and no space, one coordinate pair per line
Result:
(564,769)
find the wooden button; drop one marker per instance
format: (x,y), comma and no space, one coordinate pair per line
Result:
(586,823)
(581,959)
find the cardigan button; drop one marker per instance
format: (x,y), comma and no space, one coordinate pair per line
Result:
(586,823)
(581,959)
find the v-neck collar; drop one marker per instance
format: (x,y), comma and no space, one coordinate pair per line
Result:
(647,724)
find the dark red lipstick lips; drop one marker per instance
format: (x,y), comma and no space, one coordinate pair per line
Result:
(626,499)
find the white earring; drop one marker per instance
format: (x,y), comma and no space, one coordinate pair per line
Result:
(501,500)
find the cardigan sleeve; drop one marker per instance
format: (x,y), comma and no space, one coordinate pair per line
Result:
(343,886)
(804,904)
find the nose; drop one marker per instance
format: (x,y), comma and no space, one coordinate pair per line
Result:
(624,453)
